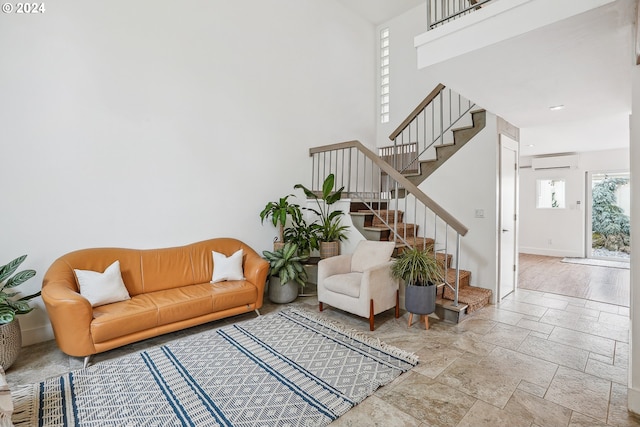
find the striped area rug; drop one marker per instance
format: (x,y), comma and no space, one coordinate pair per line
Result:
(289,368)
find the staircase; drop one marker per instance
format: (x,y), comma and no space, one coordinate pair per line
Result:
(386,203)
(373,228)
(445,151)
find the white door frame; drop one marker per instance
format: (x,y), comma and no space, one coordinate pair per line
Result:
(508,143)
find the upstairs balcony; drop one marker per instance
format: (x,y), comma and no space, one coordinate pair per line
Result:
(458,27)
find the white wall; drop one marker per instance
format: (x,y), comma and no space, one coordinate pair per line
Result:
(408,86)
(561,232)
(468,180)
(151,124)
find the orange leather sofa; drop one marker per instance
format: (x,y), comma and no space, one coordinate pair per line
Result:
(169,291)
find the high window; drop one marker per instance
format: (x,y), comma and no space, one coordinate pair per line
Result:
(384,75)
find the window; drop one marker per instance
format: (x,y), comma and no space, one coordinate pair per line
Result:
(384,75)
(550,194)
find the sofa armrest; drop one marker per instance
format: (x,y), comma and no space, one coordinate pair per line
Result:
(256,270)
(71,315)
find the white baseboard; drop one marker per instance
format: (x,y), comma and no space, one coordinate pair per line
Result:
(36,335)
(551,252)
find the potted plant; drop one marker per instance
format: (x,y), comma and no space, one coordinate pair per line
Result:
(10,307)
(302,234)
(278,212)
(287,273)
(421,272)
(330,229)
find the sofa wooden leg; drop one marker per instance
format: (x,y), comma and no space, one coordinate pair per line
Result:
(371,315)
(397,304)
(320,306)
(87,359)
(410,320)
(257,312)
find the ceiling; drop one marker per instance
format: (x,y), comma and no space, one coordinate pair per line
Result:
(583,63)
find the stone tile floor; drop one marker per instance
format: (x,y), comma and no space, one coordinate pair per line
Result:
(536,359)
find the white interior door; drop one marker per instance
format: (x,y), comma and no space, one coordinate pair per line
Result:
(508,231)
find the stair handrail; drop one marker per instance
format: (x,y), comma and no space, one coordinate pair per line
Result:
(428,100)
(452,221)
(436,115)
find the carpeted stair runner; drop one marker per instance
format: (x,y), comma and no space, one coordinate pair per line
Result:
(474,297)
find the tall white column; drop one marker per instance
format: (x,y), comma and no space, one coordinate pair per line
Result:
(634,154)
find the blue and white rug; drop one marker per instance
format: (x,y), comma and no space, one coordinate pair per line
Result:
(289,368)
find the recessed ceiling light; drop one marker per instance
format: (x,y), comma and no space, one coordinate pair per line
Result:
(556,107)
(530,145)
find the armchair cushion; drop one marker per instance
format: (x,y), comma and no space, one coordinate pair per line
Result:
(371,253)
(345,284)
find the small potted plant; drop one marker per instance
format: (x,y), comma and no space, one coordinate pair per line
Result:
(278,213)
(10,307)
(329,229)
(421,272)
(287,273)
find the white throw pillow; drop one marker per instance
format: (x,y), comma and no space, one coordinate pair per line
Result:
(227,268)
(102,288)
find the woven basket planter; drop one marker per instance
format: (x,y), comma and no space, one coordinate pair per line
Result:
(10,343)
(329,249)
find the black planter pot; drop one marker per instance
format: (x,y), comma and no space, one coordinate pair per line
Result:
(420,299)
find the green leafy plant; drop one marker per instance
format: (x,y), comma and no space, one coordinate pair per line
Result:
(278,212)
(417,267)
(330,227)
(286,264)
(302,234)
(9,306)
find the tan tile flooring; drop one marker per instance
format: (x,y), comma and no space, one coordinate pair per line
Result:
(536,359)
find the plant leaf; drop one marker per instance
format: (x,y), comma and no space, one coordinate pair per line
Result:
(28,297)
(21,307)
(6,314)
(20,278)
(310,194)
(7,270)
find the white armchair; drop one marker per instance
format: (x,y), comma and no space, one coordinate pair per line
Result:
(360,283)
